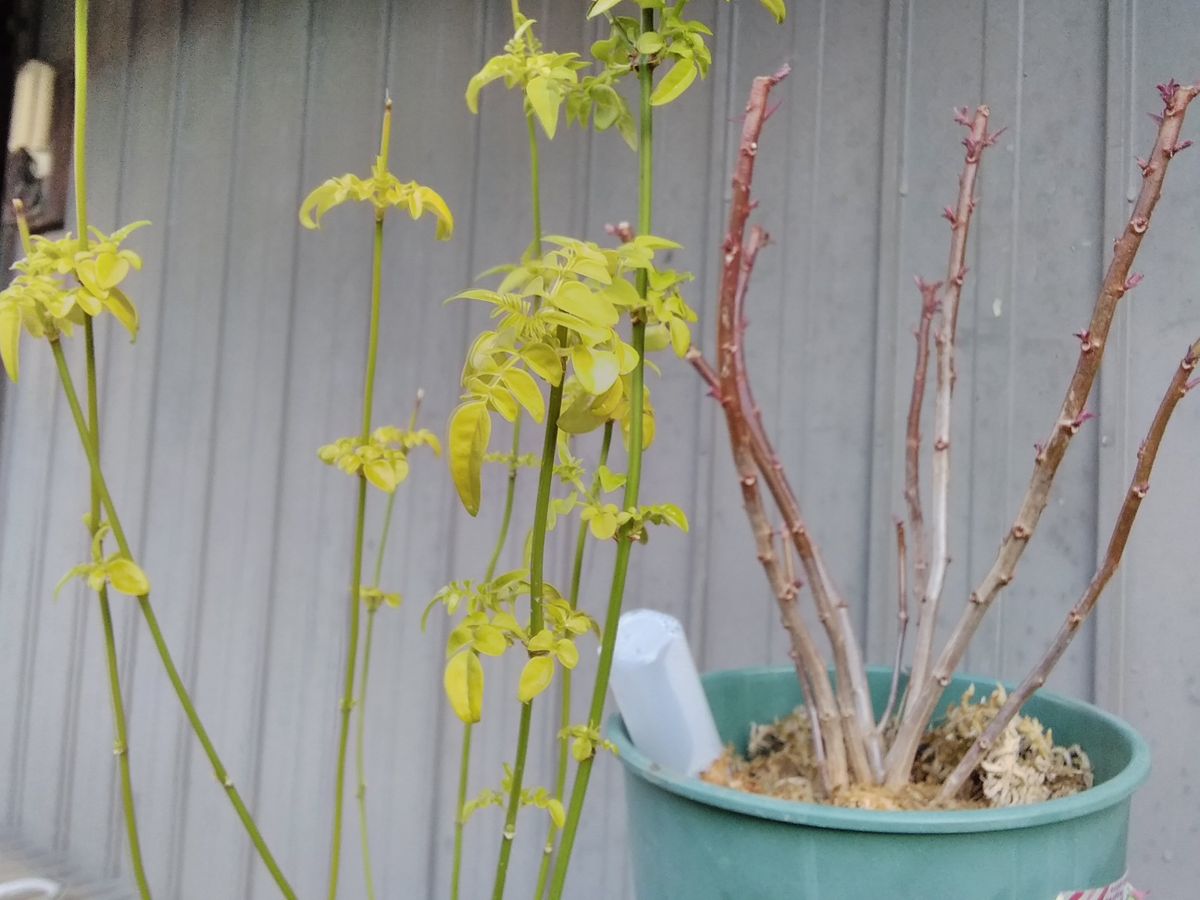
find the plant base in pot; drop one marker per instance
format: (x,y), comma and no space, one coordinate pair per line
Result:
(690,839)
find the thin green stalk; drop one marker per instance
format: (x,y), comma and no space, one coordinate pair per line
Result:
(160,644)
(537,556)
(121,746)
(368,876)
(510,491)
(560,776)
(81,90)
(464,771)
(464,765)
(360,736)
(120,729)
(359,527)
(633,478)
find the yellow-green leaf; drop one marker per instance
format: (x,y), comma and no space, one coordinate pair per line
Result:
(567,653)
(595,309)
(10,339)
(318,202)
(557,814)
(127,577)
(545,100)
(603,525)
(490,640)
(607,403)
(382,474)
(600,7)
(432,200)
(525,389)
(123,311)
(674,83)
(541,642)
(595,369)
(681,337)
(463,681)
(111,270)
(777,8)
(503,402)
(649,42)
(535,677)
(467,442)
(80,571)
(543,359)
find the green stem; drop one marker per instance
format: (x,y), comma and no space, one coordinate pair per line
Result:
(360,514)
(509,493)
(160,644)
(464,770)
(633,478)
(360,736)
(464,765)
(560,777)
(535,184)
(121,739)
(121,747)
(537,557)
(537,553)
(368,876)
(81,89)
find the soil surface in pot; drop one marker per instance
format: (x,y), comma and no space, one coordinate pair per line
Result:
(1024,766)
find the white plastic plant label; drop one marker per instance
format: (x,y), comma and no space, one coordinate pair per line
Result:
(1118,890)
(659,695)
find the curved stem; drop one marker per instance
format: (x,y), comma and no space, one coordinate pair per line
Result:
(537,552)
(160,645)
(633,477)
(560,777)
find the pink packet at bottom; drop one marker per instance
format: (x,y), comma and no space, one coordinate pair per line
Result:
(1118,890)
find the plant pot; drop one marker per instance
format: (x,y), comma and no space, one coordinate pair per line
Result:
(695,841)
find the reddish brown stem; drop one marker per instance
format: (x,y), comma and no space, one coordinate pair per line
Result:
(746,430)
(912,443)
(926,692)
(828,738)
(930,586)
(1138,486)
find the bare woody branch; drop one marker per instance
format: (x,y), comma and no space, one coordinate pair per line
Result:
(810,667)
(912,442)
(1139,485)
(862,742)
(902,623)
(813,708)
(1117,281)
(930,587)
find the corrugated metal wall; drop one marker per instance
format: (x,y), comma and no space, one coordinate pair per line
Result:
(212,117)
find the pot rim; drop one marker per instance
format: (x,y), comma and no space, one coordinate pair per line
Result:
(1102,796)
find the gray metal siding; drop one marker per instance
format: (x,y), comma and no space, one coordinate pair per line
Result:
(213,117)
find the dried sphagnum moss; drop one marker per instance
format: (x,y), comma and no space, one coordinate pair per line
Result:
(1024,766)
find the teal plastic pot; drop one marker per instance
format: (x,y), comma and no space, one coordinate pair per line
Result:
(696,841)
